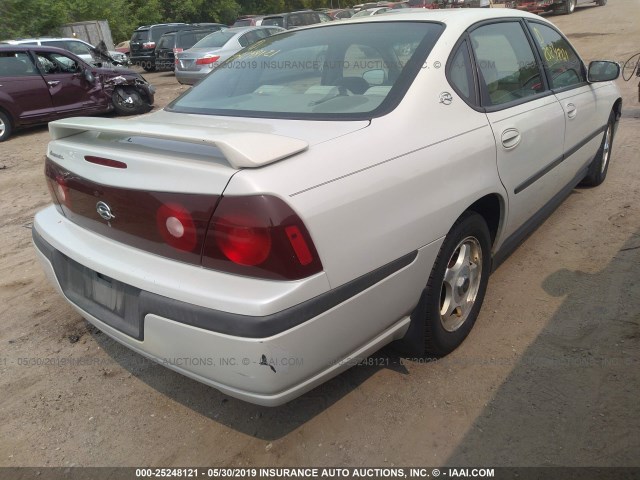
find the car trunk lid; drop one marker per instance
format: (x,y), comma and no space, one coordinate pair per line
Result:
(154,184)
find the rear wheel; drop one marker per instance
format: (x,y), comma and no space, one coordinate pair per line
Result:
(457,284)
(567,7)
(601,3)
(600,165)
(129,101)
(5,127)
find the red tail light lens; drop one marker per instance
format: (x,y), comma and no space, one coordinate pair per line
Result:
(259,236)
(178,50)
(148,45)
(58,188)
(207,60)
(242,241)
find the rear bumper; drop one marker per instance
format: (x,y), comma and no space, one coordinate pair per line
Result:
(165,63)
(531,7)
(144,60)
(189,78)
(266,359)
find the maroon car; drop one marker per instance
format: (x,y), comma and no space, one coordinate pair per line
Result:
(40,84)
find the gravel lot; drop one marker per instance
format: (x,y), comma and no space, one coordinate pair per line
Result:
(549,376)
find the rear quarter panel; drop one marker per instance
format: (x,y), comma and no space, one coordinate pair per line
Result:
(376,194)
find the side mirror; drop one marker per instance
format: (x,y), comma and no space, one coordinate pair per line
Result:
(603,71)
(89,76)
(374,77)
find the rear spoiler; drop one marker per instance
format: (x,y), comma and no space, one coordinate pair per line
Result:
(241,149)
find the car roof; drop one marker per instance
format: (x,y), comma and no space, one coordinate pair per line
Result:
(147,27)
(35,48)
(451,16)
(291,13)
(252,27)
(40,39)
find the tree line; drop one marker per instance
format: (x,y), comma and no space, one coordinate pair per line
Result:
(33,18)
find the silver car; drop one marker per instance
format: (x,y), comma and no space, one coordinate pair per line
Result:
(286,218)
(211,51)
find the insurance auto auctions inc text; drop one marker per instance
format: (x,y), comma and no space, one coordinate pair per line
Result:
(373,472)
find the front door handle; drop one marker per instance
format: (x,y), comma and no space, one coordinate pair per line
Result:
(572,110)
(53,83)
(511,138)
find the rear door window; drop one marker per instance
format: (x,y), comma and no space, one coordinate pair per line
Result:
(16,64)
(277,21)
(140,36)
(507,67)
(166,41)
(460,73)
(186,40)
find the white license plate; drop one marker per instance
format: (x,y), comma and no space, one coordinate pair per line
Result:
(106,292)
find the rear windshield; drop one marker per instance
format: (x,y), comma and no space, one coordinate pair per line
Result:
(344,71)
(215,40)
(157,32)
(166,41)
(277,21)
(243,23)
(140,36)
(189,38)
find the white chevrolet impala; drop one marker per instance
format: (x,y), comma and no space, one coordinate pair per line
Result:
(323,193)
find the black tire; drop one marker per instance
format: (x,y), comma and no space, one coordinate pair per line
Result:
(601,3)
(567,7)
(149,68)
(600,165)
(441,335)
(5,127)
(129,101)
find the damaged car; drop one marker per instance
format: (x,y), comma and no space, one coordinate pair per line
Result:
(40,84)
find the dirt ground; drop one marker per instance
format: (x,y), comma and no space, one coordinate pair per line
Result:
(549,376)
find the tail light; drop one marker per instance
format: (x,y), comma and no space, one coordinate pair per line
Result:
(172,225)
(176,226)
(178,50)
(259,236)
(57,186)
(207,60)
(149,45)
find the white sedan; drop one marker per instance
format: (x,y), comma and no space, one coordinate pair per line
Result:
(323,193)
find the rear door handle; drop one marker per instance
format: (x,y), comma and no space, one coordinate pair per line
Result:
(572,110)
(510,138)
(53,83)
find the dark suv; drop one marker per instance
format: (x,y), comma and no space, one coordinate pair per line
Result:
(295,19)
(175,42)
(143,43)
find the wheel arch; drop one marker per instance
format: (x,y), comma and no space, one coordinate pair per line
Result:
(9,116)
(11,124)
(492,208)
(617,108)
